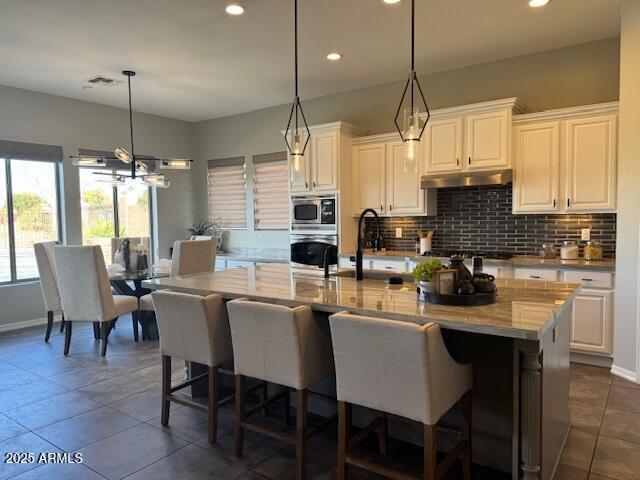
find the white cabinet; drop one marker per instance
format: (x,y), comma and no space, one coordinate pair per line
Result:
(537,182)
(369,183)
(566,164)
(324,161)
(405,197)
(396,266)
(488,142)
(231,264)
(442,145)
(591,321)
(536,274)
(591,150)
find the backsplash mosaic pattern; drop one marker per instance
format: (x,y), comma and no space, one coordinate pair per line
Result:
(480,218)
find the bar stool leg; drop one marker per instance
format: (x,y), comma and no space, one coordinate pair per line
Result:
(67,337)
(301,432)
(166,387)
(49,325)
(344,427)
(62,324)
(239,433)
(465,407)
(382,436)
(287,406)
(213,404)
(264,394)
(430,452)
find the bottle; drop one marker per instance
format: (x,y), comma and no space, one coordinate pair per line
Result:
(477,265)
(417,246)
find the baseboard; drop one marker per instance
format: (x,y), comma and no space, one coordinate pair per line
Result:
(8,327)
(624,373)
(589,359)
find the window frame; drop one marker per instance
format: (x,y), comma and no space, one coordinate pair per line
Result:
(10,215)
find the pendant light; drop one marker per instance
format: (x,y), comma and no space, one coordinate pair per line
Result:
(411,131)
(297,135)
(137,167)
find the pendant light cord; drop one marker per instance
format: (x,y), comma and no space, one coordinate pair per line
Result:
(295,43)
(131,120)
(413,42)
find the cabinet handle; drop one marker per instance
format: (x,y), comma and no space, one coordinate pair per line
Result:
(587,279)
(457,162)
(390,207)
(314,184)
(381,207)
(554,203)
(568,202)
(535,276)
(306,185)
(469,160)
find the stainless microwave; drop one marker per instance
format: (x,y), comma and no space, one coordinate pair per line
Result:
(316,214)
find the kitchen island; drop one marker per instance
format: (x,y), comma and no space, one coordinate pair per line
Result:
(519,347)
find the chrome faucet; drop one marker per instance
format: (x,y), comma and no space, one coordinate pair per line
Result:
(359,275)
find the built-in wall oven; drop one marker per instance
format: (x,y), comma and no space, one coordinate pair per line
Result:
(313,230)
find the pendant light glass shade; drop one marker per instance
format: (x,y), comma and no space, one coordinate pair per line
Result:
(142,167)
(156,180)
(411,130)
(123,154)
(296,167)
(89,162)
(115,180)
(175,164)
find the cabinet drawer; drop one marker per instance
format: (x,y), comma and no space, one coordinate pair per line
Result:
(347,263)
(231,264)
(390,265)
(589,279)
(221,264)
(537,274)
(498,272)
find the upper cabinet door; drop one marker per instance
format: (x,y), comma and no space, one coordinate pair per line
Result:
(591,150)
(442,144)
(488,140)
(537,168)
(368,178)
(304,184)
(404,193)
(324,161)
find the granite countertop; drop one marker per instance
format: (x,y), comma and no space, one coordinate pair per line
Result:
(607,264)
(240,257)
(525,309)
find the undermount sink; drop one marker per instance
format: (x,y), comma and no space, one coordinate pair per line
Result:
(374,275)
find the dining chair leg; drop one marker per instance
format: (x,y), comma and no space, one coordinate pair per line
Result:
(67,337)
(239,430)
(105,328)
(49,325)
(430,452)
(301,432)
(96,330)
(134,320)
(264,394)
(213,404)
(287,406)
(465,407)
(383,436)
(344,427)
(62,322)
(166,388)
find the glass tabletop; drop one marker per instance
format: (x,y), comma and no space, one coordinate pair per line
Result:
(133,276)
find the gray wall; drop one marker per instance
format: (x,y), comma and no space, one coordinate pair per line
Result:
(627,325)
(28,116)
(579,75)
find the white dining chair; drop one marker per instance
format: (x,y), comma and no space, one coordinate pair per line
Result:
(401,369)
(85,292)
(48,283)
(189,257)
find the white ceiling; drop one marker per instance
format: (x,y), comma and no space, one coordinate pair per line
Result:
(195,62)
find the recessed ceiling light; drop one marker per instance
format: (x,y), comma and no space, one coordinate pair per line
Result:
(234,9)
(334,56)
(391,2)
(538,3)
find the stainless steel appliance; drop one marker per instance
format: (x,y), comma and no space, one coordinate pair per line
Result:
(308,252)
(314,215)
(469,178)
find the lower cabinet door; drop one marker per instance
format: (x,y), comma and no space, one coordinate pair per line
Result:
(591,321)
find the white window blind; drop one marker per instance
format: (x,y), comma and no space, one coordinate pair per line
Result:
(270,192)
(227,192)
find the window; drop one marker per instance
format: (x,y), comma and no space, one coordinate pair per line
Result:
(29,206)
(270,192)
(109,211)
(227,192)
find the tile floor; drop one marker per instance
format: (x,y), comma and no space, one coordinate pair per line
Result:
(108,409)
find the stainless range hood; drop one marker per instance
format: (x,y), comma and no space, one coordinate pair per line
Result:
(467,179)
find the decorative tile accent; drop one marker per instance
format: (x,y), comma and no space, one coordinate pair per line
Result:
(480,218)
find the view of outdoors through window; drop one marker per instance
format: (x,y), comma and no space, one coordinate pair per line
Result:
(35,214)
(5,262)
(99,225)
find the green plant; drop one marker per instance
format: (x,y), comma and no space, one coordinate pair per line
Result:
(201,228)
(424,270)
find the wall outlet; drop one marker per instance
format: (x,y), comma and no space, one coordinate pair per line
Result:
(399,232)
(586,234)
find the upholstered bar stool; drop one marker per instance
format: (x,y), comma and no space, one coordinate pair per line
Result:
(85,292)
(48,283)
(195,329)
(189,257)
(284,346)
(401,369)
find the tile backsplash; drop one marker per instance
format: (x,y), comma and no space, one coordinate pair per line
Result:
(480,218)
